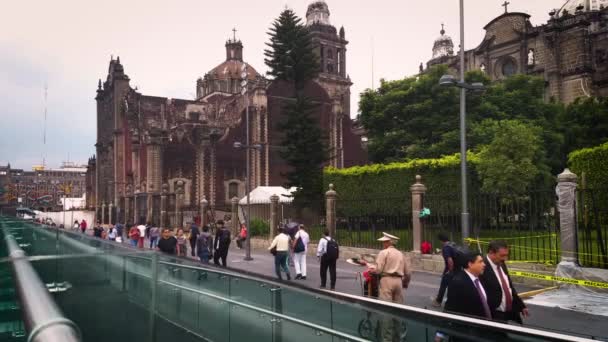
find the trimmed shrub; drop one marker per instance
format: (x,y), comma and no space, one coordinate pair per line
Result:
(594,163)
(259,227)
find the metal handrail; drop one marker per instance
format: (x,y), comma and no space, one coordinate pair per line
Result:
(369,303)
(43,319)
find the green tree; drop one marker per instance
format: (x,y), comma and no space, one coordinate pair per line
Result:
(513,161)
(305,151)
(290,56)
(585,123)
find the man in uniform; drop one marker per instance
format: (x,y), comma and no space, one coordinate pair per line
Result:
(394,276)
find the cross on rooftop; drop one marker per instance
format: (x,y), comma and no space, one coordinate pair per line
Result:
(505,4)
(234,34)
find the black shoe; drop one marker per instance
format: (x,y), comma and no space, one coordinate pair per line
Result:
(288,277)
(298,276)
(332,289)
(303,278)
(322,287)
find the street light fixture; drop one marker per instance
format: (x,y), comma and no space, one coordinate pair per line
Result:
(449,80)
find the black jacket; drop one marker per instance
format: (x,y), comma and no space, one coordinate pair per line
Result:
(222,240)
(463,297)
(494,291)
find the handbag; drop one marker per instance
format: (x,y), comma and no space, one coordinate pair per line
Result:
(405,281)
(299,247)
(273,251)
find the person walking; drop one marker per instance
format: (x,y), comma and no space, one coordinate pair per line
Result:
(142,235)
(280,247)
(447,251)
(194,233)
(134,235)
(204,245)
(300,247)
(83,226)
(182,243)
(167,243)
(221,244)
(120,229)
(98,230)
(505,304)
(328,253)
(112,233)
(242,236)
(466,294)
(154,236)
(76,225)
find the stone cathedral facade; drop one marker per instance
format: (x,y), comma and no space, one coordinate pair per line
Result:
(168,161)
(570,51)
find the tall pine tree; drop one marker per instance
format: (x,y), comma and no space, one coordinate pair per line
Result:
(291,58)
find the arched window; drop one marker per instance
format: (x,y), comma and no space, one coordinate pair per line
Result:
(508,68)
(233,190)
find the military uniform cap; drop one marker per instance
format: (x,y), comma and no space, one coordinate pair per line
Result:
(388,237)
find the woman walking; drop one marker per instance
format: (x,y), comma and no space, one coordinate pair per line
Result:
(182,243)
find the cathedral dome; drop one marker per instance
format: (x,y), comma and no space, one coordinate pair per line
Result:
(443,46)
(573,6)
(317,13)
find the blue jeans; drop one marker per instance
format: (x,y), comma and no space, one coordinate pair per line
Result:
(280,262)
(134,242)
(153,241)
(204,258)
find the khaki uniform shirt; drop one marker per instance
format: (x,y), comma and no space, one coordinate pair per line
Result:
(390,261)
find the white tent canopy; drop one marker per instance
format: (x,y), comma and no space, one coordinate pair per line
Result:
(261,195)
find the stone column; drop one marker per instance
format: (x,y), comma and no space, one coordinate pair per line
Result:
(149,203)
(128,203)
(566,204)
(163,205)
(179,195)
(110,207)
(418,190)
(274,215)
(135,207)
(103,213)
(330,214)
(135,161)
(235,215)
(204,209)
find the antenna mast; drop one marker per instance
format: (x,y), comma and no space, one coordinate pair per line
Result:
(44,126)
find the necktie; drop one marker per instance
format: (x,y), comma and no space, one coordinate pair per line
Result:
(484,301)
(505,289)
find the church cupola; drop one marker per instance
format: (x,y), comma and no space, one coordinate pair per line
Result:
(317,13)
(234,50)
(443,46)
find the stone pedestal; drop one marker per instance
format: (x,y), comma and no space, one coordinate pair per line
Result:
(163,205)
(179,199)
(274,215)
(110,207)
(566,205)
(103,213)
(235,216)
(204,210)
(418,190)
(330,213)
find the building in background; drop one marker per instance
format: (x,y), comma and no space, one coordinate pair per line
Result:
(162,160)
(570,51)
(41,189)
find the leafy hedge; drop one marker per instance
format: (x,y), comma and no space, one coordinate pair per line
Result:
(384,189)
(594,163)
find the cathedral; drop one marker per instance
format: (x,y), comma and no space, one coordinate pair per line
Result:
(169,161)
(570,51)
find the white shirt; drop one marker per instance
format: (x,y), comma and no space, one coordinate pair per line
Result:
(322,247)
(142,230)
(503,302)
(473,278)
(305,239)
(281,241)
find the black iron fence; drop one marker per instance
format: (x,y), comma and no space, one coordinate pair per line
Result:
(592,232)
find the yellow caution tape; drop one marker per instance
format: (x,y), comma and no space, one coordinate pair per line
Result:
(534,248)
(581,282)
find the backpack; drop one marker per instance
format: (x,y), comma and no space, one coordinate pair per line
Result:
(459,255)
(299,247)
(332,251)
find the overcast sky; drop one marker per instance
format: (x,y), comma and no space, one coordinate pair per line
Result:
(166,45)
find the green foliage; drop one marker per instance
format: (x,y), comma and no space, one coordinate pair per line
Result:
(391,183)
(290,56)
(512,162)
(585,123)
(305,151)
(594,163)
(417,118)
(259,227)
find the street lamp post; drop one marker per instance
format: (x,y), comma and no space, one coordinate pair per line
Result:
(247,170)
(449,80)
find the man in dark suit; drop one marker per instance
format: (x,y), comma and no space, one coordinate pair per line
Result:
(466,295)
(503,299)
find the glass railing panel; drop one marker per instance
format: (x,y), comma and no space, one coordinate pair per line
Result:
(214,319)
(252,292)
(306,306)
(247,324)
